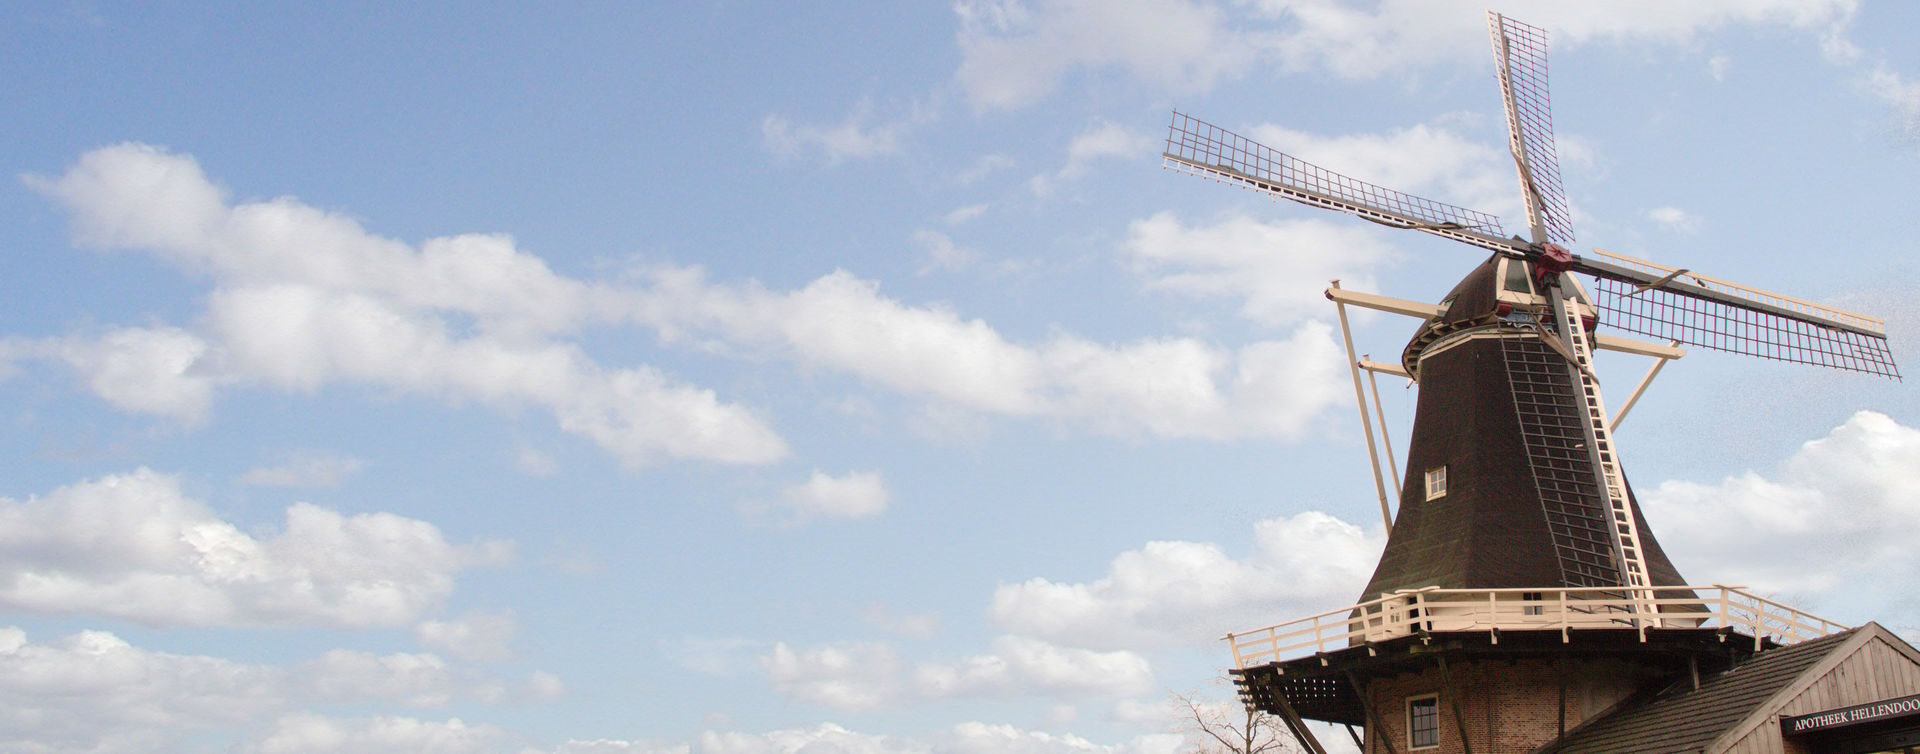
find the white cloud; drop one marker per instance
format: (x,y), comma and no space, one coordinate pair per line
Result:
(715,656)
(915,625)
(160,371)
(1014,55)
(303,298)
(1842,504)
(983,738)
(1278,270)
(962,215)
(1019,665)
(826,738)
(134,196)
(1901,95)
(1187,593)
(964,738)
(941,253)
(841,321)
(476,635)
(847,676)
(983,167)
(300,337)
(1104,141)
(1674,219)
(1399,35)
(133,546)
(545,686)
(535,462)
(861,676)
(857,137)
(1718,66)
(859,494)
(418,680)
(613,746)
(304,469)
(1172,387)
(92,691)
(317,734)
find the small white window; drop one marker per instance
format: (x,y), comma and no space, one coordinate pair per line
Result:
(1423,722)
(1436,482)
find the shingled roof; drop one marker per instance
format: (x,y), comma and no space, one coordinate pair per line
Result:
(1724,707)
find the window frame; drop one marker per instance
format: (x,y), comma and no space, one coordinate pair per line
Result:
(1436,491)
(1517,277)
(1428,700)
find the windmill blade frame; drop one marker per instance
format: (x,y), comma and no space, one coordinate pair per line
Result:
(1199,148)
(1657,301)
(1520,60)
(1638,296)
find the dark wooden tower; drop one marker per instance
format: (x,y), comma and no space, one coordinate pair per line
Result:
(1499,429)
(1521,594)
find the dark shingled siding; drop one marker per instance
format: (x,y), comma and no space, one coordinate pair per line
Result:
(1488,531)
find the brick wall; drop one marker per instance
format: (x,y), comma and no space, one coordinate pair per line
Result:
(1506,706)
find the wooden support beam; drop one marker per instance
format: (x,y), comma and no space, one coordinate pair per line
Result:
(1421,310)
(1387,304)
(1366,422)
(1380,411)
(1453,700)
(1376,728)
(1607,342)
(1387,367)
(1296,725)
(1637,391)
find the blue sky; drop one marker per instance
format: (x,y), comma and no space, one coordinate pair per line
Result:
(743,378)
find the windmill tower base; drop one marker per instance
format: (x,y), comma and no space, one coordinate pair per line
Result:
(1466,693)
(1474,672)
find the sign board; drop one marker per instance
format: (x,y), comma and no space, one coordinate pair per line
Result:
(1860,713)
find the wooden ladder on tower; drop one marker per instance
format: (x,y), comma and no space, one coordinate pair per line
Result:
(1626,531)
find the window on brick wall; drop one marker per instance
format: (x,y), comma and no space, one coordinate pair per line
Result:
(1423,722)
(1436,482)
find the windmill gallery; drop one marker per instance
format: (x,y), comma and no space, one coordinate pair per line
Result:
(1522,603)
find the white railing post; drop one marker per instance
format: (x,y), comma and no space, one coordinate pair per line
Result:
(1727,611)
(1406,613)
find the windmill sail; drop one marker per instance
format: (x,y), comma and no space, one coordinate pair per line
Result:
(1664,302)
(1200,148)
(1636,295)
(1520,58)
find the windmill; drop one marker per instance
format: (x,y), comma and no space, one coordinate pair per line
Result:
(1515,514)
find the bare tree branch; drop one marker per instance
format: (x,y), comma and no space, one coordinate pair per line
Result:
(1229,727)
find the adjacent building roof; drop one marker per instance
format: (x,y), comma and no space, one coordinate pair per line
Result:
(1729,708)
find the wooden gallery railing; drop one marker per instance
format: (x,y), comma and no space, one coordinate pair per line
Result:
(1493,610)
